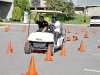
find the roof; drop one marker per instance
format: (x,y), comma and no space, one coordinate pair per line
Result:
(46,11)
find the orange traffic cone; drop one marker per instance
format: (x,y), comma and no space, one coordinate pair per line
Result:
(82,30)
(26,40)
(32,70)
(76,31)
(74,38)
(9,50)
(68,39)
(63,52)
(86,35)
(68,30)
(22,74)
(24,29)
(98,47)
(48,55)
(8,27)
(82,47)
(94,31)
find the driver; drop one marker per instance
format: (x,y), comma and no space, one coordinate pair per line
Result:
(42,24)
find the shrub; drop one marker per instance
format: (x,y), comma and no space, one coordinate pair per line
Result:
(0,19)
(11,19)
(16,14)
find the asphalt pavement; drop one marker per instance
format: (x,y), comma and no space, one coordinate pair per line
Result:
(75,63)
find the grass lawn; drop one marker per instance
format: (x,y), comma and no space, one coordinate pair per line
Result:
(2,25)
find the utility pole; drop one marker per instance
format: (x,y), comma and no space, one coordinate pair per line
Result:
(84,14)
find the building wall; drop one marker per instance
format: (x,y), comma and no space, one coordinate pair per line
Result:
(86,2)
(7,0)
(6,9)
(93,11)
(42,4)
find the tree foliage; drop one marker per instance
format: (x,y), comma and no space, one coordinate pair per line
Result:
(60,5)
(23,4)
(16,14)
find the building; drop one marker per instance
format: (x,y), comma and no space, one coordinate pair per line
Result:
(6,7)
(88,7)
(37,4)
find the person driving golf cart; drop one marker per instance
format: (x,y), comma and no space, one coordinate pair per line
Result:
(42,24)
(56,26)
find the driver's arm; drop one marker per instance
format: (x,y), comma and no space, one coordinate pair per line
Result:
(45,28)
(35,18)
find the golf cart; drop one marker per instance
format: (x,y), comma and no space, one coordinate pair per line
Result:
(43,40)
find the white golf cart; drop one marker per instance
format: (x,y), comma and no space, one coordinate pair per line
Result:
(41,40)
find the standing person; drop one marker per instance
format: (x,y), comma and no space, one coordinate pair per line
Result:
(42,24)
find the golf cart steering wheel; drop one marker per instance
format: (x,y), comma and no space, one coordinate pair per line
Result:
(51,27)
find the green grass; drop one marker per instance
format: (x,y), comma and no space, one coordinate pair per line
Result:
(2,25)
(79,19)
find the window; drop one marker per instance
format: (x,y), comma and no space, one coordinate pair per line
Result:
(35,3)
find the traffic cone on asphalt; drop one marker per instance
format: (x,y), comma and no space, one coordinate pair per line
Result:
(22,74)
(82,30)
(48,55)
(9,49)
(74,38)
(69,30)
(94,31)
(80,46)
(32,69)
(8,27)
(86,35)
(76,31)
(63,52)
(26,40)
(24,28)
(68,39)
(81,49)
(98,47)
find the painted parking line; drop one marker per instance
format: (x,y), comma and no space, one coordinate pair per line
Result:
(90,70)
(96,45)
(96,54)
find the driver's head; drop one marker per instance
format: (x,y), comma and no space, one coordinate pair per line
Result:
(41,18)
(53,18)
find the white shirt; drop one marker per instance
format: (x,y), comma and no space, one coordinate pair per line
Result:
(57,26)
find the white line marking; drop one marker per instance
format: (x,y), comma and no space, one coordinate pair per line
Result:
(91,70)
(96,45)
(96,54)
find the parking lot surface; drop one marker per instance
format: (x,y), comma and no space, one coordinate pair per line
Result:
(75,63)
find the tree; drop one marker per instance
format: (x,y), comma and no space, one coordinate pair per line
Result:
(16,14)
(23,4)
(60,5)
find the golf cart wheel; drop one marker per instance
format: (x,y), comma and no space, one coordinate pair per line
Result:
(52,49)
(27,48)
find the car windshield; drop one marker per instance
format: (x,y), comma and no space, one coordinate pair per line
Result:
(95,17)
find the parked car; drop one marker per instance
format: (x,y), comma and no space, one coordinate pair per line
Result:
(95,21)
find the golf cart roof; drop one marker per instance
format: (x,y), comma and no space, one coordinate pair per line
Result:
(46,11)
